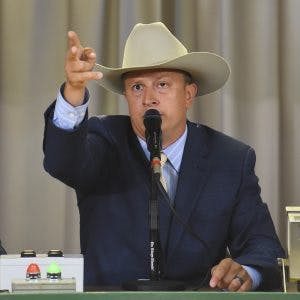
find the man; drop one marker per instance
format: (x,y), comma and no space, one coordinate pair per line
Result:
(105,159)
(2,250)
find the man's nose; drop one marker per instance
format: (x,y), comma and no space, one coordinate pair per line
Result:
(150,98)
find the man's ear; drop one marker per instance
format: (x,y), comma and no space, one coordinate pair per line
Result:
(124,94)
(191,92)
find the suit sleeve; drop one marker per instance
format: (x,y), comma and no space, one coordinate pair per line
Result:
(75,157)
(253,240)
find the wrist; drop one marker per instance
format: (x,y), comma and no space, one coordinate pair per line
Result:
(73,95)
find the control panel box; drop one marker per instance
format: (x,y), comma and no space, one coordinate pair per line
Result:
(293,241)
(14,267)
(293,236)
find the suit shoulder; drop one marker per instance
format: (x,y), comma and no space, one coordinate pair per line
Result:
(110,119)
(113,128)
(110,122)
(216,138)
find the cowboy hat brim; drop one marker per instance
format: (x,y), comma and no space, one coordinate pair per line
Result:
(208,70)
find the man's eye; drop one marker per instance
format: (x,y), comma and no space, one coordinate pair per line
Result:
(163,85)
(137,87)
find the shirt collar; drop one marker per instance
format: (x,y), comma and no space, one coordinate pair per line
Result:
(174,151)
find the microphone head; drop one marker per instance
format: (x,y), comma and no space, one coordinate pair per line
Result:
(152,120)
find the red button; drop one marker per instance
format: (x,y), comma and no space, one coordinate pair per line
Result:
(33,271)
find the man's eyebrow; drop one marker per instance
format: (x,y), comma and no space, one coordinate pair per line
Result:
(163,76)
(134,80)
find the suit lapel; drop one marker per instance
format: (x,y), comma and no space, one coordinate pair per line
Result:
(193,173)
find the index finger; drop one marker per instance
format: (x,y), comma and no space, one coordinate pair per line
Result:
(74,46)
(73,39)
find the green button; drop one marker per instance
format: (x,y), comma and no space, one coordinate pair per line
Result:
(54,268)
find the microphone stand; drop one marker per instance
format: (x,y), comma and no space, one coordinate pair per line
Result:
(155,282)
(155,245)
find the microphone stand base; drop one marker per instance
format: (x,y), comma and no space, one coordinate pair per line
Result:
(153,285)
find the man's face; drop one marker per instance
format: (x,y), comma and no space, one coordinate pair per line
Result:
(164,90)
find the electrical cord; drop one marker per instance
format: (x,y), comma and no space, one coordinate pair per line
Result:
(187,227)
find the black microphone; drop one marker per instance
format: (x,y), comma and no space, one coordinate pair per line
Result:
(152,122)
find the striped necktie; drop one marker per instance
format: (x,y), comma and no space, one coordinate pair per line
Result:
(169,177)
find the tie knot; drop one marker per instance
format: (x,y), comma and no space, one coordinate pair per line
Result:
(163,158)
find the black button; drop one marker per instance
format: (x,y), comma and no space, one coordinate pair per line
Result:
(28,253)
(55,253)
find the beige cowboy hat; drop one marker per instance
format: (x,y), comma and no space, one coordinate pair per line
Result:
(153,46)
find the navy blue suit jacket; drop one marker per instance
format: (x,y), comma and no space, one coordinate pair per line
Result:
(218,196)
